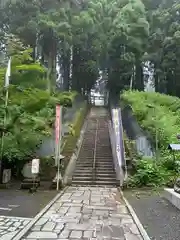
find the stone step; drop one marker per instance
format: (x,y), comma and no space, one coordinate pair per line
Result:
(104,172)
(97,167)
(90,178)
(97,162)
(92,161)
(87,170)
(95,183)
(99,175)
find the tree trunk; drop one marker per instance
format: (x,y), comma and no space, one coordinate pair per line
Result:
(75,67)
(170,84)
(66,70)
(139,80)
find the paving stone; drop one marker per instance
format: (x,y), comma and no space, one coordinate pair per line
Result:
(36,228)
(42,235)
(118,215)
(17,224)
(88,234)
(100,213)
(3,227)
(86,202)
(9,236)
(130,236)
(63,210)
(11,229)
(66,219)
(49,226)
(68,204)
(77,201)
(59,226)
(123,209)
(76,234)
(49,214)
(82,227)
(64,234)
(127,221)
(85,213)
(117,231)
(26,222)
(42,221)
(9,223)
(134,229)
(65,201)
(74,209)
(62,239)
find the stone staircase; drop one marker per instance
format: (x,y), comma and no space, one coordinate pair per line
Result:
(95,163)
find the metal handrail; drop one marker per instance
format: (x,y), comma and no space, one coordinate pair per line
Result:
(95,147)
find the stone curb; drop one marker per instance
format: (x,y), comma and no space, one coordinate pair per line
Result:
(136,219)
(20,235)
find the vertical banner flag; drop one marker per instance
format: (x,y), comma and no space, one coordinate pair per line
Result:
(58,117)
(8,73)
(117,131)
(58,131)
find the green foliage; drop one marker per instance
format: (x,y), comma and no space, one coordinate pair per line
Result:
(158,112)
(30,116)
(74,133)
(148,173)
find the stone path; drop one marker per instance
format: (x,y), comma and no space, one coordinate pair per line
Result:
(86,213)
(10,226)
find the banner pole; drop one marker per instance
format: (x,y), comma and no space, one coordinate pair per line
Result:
(59,149)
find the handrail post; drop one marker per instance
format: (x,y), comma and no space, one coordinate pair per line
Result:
(95,147)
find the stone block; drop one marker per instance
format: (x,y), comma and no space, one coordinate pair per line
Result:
(88,234)
(64,234)
(172,197)
(76,234)
(79,227)
(49,226)
(41,221)
(42,235)
(130,236)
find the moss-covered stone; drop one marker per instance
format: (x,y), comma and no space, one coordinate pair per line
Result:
(74,133)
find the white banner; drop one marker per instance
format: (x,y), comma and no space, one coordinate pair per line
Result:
(116,126)
(35,166)
(6,175)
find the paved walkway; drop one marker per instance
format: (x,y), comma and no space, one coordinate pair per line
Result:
(10,226)
(86,213)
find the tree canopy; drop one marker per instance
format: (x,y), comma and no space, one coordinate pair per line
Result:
(85,36)
(81,37)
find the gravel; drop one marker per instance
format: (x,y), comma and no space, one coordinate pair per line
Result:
(159,217)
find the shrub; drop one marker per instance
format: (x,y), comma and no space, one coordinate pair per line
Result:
(155,111)
(148,173)
(30,115)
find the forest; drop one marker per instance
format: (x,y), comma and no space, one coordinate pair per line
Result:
(80,37)
(85,36)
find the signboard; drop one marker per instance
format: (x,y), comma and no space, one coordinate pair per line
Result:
(35,166)
(116,117)
(6,175)
(26,171)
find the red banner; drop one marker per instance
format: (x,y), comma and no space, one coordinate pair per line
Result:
(58,119)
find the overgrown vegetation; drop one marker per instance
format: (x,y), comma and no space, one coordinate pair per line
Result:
(30,113)
(156,112)
(71,139)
